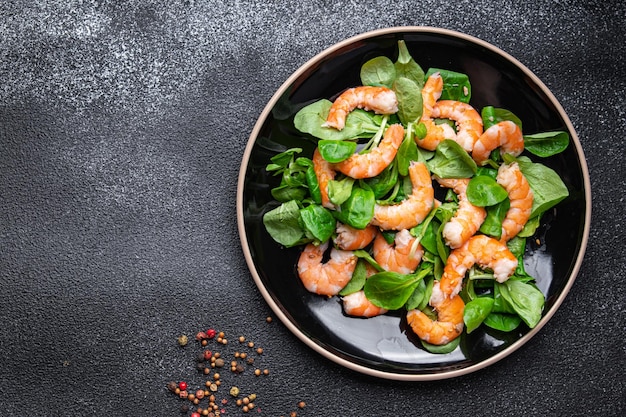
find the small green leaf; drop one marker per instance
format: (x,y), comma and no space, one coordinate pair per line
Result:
(390,290)
(525,299)
(318,221)
(357,211)
(340,190)
(409,100)
(502,321)
(407,67)
(335,151)
(547,143)
(452,161)
(484,191)
(476,311)
(378,71)
(283,224)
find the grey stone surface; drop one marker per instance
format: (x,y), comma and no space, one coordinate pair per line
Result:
(121,130)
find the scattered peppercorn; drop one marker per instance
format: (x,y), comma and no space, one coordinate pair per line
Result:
(211,333)
(301,404)
(207,354)
(172,386)
(268,319)
(201,336)
(182,340)
(234,391)
(182,385)
(259,351)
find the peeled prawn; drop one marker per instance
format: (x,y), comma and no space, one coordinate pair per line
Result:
(505,135)
(381,100)
(372,163)
(414,209)
(446,328)
(357,304)
(482,250)
(521,197)
(324,173)
(435,133)
(325,278)
(349,238)
(468,217)
(400,256)
(468,121)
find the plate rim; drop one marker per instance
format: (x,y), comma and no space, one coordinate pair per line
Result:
(283,317)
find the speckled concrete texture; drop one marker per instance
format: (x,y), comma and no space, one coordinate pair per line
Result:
(122,126)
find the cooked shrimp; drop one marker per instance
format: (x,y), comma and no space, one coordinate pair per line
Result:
(435,133)
(349,238)
(468,217)
(400,256)
(506,135)
(324,173)
(446,328)
(414,209)
(370,164)
(521,197)
(483,250)
(357,304)
(469,123)
(325,278)
(381,100)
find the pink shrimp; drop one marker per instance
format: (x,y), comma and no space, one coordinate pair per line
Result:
(370,164)
(468,217)
(414,209)
(446,328)
(381,100)
(435,133)
(469,123)
(324,173)
(506,135)
(357,304)
(325,278)
(400,256)
(521,197)
(349,238)
(483,250)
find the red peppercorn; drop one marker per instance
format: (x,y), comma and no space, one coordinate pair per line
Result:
(201,335)
(211,333)
(182,385)
(195,414)
(207,355)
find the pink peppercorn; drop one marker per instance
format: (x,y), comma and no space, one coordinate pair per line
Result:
(182,385)
(211,333)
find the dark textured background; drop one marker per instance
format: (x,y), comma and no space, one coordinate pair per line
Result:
(121,132)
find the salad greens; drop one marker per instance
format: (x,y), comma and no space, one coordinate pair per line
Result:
(299,217)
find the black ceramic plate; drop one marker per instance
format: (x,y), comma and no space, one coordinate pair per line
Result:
(382,346)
